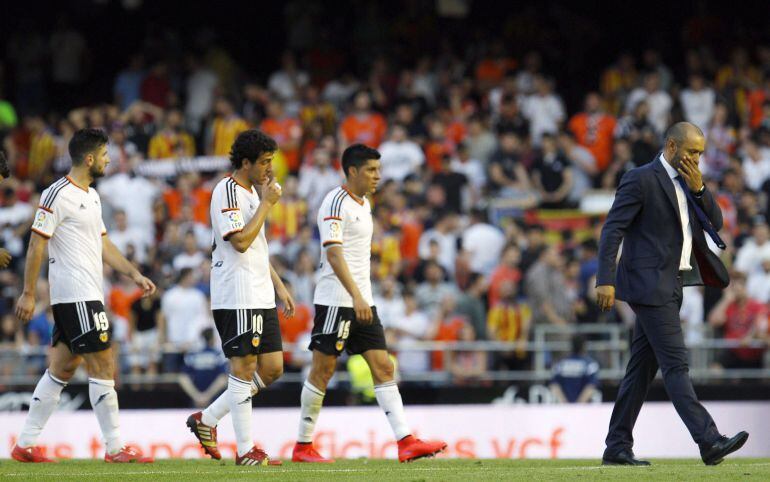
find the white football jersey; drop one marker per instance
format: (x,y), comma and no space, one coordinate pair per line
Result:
(238,280)
(345,219)
(70,217)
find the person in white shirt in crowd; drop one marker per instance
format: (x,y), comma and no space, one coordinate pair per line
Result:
(191,257)
(698,101)
(389,302)
(434,289)
(133,194)
(657,99)
(400,155)
(186,311)
(123,236)
(444,232)
(288,82)
(758,281)
(583,165)
(473,169)
(302,277)
(202,84)
(316,180)
(756,164)
(543,109)
(407,330)
(480,140)
(754,249)
(482,242)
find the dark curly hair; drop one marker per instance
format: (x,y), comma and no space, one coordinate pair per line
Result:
(250,145)
(85,142)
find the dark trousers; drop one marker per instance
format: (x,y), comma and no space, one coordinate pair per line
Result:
(658,342)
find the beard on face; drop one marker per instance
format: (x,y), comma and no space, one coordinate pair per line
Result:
(95,172)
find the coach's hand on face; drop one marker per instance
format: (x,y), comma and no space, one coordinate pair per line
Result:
(689,170)
(25,307)
(147,286)
(5,258)
(605,297)
(363,310)
(271,191)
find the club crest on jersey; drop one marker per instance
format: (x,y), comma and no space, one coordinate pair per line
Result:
(339,345)
(104,337)
(255,341)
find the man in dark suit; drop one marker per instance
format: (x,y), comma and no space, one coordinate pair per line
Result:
(661,211)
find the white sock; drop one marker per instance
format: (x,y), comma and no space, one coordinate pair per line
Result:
(104,401)
(44,401)
(311,400)
(221,406)
(389,399)
(239,392)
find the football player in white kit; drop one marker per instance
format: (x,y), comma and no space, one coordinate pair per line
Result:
(345,318)
(69,222)
(243,290)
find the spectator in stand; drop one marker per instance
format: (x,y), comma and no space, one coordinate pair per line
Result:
(447,325)
(509,320)
(482,243)
(749,256)
(543,109)
(135,195)
(202,84)
(639,131)
(622,162)
(756,164)
(413,326)
(584,169)
(204,371)
(146,330)
(288,82)
(471,304)
(127,87)
(362,125)
(481,142)
(191,258)
(430,293)
(172,140)
(545,289)
(507,172)
(42,149)
(698,101)
(225,128)
(510,118)
(506,271)
(454,185)
(123,237)
(304,241)
(552,175)
(317,179)
(741,319)
(444,233)
(186,311)
(594,129)
(400,156)
(617,81)
(286,130)
(467,367)
(316,110)
(156,87)
(758,281)
(722,138)
(576,377)
(658,100)
(474,171)
(302,278)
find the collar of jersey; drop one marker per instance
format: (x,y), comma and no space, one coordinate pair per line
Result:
(79,186)
(238,183)
(353,196)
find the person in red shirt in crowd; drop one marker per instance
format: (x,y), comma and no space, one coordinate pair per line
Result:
(155,88)
(362,126)
(438,145)
(507,271)
(448,326)
(741,318)
(188,191)
(594,130)
(286,131)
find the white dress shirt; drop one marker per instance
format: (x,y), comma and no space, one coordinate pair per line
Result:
(684,215)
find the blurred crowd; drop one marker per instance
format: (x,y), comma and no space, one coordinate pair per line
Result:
(471,148)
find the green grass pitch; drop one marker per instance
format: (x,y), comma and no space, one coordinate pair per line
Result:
(381,470)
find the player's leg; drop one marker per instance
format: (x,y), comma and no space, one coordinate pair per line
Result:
(330,331)
(369,341)
(45,399)
(94,345)
(239,398)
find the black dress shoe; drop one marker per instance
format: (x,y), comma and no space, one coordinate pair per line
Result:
(716,452)
(624,457)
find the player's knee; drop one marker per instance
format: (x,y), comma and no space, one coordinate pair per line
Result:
(383,372)
(100,365)
(271,374)
(64,371)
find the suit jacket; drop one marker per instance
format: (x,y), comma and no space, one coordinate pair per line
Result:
(645,216)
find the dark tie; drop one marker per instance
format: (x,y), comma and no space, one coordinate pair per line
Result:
(704,220)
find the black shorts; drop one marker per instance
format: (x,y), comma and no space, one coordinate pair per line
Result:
(335,329)
(248,331)
(83,326)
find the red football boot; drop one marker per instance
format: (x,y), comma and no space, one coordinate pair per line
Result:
(32,454)
(128,455)
(410,448)
(305,452)
(206,435)
(255,456)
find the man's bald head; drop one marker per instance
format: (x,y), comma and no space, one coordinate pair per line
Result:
(681,131)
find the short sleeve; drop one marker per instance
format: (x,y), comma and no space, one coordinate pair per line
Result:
(230,215)
(46,220)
